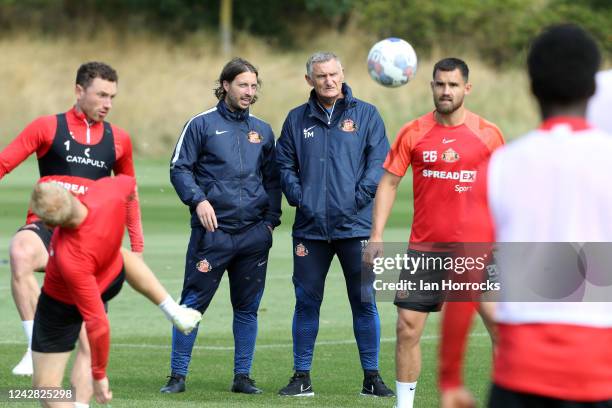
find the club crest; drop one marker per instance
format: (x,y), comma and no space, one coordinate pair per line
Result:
(348,125)
(203,266)
(254,137)
(301,250)
(450,156)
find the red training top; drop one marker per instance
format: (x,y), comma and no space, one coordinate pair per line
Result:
(84,261)
(444,162)
(38,137)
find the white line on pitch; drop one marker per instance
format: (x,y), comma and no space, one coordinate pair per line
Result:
(259,346)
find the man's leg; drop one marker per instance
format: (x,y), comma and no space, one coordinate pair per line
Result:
(207,257)
(311,261)
(81,378)
(143,280)
(366,321)
(410,324)
(28,254)
(247,276)
(49,372)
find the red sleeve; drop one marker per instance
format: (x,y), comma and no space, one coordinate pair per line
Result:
(78,274)
(36,137)
(125,165)
(398,158)
(455,327)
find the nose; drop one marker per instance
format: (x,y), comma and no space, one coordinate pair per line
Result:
(108,103)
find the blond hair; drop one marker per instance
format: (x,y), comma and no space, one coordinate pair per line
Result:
(52,203)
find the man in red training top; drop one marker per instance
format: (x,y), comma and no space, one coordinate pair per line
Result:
(444,147)
(73,148)
(85,270)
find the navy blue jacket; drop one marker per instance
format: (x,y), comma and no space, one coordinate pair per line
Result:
(330,166)
(228,159)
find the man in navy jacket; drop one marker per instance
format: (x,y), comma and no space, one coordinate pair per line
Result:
(224,169)
(330,155)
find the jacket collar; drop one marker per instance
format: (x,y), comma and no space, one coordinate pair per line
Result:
(238,116)
(317,110)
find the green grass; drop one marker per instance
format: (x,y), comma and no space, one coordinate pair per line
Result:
(139,359)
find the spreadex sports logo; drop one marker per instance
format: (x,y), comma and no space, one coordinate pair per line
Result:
(75,188)
(464,176)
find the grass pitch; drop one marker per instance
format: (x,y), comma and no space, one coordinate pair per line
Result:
(140,348)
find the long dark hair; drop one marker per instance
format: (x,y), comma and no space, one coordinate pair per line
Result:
(230,71)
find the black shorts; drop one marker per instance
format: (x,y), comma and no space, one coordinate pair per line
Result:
(41,229)
(504,398)
(57,324)
(428,295)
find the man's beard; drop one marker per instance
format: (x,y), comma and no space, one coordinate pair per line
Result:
(447,108)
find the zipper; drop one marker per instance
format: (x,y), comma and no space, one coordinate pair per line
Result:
(88,131)
(238,134)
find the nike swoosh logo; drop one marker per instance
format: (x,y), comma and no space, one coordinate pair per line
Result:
(306,130)
(262,263)
(412,389)
(302,389)
(445,141)
(220,132)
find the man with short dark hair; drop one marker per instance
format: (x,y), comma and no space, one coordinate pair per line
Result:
(444,148)
(551,354)
(223,168)
(330,154)
(74,149)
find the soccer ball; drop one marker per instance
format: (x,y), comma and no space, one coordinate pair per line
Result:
(392,62)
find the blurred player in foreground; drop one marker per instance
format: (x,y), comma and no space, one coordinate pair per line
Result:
(85,270)
(552,354)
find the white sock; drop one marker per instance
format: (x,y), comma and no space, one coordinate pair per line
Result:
(28,327)
(169,307)
(80,405)
(405,394)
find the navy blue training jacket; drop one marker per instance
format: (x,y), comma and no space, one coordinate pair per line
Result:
(228,159)
(330,166)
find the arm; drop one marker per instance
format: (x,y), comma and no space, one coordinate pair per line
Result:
(376,150)
(271,183)
(125,165)
(78,273)
(182,167)
(383,203)
(37,136)
(287,161)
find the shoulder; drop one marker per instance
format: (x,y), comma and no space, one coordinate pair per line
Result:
(44,123)
(488,131)
(298,111)
(418,127)
(203,117)
(119,133)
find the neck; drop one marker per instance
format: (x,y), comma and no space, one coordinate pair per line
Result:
(329,102)
(79,110)
(454,118)
(577,109)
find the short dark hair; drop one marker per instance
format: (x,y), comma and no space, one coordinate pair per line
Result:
(230,71)
(451,64)
(562,63)
(92,70)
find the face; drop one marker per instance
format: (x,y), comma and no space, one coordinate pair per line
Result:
(241,91)
(327,78)
(449,89)
(96,100)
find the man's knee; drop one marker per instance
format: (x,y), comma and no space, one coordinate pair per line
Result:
(27,253)
(408,329)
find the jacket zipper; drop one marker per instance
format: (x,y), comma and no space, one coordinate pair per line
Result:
(329,117)
(240,177)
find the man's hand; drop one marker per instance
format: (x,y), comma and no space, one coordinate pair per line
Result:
(102,391)
(373,250)
(458,397)
(206,215)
